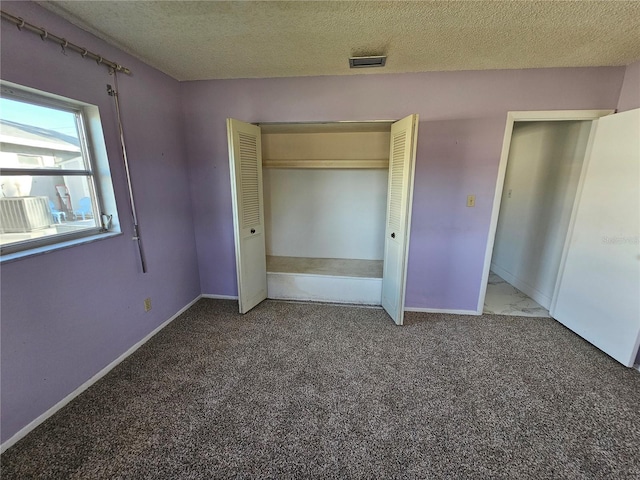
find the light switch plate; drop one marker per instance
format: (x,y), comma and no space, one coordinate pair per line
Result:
(471,200)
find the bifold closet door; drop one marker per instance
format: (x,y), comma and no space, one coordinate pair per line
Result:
(402,157)
(245,163)
(597,292)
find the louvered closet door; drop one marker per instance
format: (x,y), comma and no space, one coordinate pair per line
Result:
(245,161)
(402,156)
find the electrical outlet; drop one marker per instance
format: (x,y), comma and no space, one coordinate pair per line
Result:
(147,304)
(471,200)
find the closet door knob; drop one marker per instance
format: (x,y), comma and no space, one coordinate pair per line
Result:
(393,235)
(253,230)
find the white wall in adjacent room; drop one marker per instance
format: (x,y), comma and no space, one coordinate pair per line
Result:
(545,160)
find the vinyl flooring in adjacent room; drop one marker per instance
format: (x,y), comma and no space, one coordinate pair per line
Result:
(504,299)
(293,390)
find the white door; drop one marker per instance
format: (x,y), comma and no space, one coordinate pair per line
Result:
(402,159)
(245,162)
(597,295)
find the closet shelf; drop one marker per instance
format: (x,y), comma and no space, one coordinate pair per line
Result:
(367,163)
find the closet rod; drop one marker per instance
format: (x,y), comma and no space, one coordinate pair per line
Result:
(63,42)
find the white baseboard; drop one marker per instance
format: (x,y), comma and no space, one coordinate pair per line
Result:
(333,304)
(41,418)
(219,297)
(637,367)
(324,288)
(442,310)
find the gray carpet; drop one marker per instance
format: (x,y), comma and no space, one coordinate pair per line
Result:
(320,391)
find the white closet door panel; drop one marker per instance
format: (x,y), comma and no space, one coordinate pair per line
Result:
(254,271)
(391,283)
(402,157)
(245,162)
(598,292)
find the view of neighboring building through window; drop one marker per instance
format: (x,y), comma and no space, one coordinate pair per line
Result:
(48,190)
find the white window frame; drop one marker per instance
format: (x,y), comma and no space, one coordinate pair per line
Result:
(94,153)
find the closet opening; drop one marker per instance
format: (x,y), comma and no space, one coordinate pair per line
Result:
(325,201)
(322,211)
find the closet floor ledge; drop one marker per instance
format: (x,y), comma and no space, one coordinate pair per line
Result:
(341,267)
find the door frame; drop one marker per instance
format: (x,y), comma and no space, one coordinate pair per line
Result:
(512,117)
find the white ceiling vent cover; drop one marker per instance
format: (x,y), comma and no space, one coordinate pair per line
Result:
(367,62)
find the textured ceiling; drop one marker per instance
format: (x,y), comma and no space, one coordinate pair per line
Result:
(220,39)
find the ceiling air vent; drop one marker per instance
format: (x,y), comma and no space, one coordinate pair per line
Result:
(367,62)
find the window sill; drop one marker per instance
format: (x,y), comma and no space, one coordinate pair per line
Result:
(12,257)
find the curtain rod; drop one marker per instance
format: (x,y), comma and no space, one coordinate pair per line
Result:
(63,42)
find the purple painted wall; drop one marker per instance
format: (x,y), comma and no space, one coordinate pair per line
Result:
(630,93)
(68,314)
(462,121)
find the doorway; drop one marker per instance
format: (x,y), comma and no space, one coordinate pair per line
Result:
(539,174)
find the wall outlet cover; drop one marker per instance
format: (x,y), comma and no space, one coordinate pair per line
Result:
(471,200)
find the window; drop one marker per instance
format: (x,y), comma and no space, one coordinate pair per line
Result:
(54,175)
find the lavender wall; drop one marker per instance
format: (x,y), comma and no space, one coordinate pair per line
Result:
(68,314)
(630,93)
(462,120)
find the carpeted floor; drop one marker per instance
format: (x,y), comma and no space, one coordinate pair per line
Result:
(321,391)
